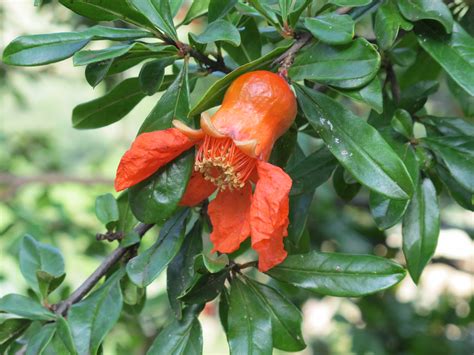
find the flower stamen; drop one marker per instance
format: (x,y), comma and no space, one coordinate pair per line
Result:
(222,163)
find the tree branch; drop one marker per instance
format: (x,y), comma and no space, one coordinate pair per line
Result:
(286,59)
(63,307)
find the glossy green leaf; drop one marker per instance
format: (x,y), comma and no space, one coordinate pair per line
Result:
(285,316)
(63,331)
(100,55)
(350,2)
(12,328)
(219,30)
(461,195)
(152,74)
(454,53)
(342,275)
(414,97)
(205,288)
(158,12)
(106,208)
(40,340)
(465,100)
(450,126)
(266,11)
(219,8)
(224,309)
(343,189)
(387,23)
(173,104)
(48,283)
(25,307)
(312,171)
(110,108)
(370,94)
(249,323)
(416,10)
(331,28)
(92,319)
(457,153)
(180,337)
(215,93)
(36,256)
(107,10)
(348,66)
(420,228)
(357,145)
(403,123)
(298,216)
(96,72)
(147,266)
(250,46)
(197,9)
(180,271)
(297,11)
(127,220)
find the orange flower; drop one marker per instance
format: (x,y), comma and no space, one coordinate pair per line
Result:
(233,147)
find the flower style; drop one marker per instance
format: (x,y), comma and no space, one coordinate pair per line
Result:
(233,147)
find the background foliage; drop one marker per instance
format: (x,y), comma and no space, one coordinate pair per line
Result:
(385,185)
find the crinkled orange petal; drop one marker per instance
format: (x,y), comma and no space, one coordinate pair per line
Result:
(230,217)
(149,152)
(269,215)
(198,189)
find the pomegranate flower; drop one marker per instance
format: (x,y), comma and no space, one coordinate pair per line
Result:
(232,149)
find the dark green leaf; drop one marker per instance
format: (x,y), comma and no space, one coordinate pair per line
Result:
(64,333)
(39,341)
(357,145)
(147,266)
(219,8)
(126,218)
(348,66)
(12,328)
(96,72)
(454,53)
(298,215)
(370,94)
(219,30)
(450,126)
(387,23)
(414,97)
(286,317)
(109,108)
(403,123)
(250,46)
(101,55)
(457,153)
(331,28)
(91,319)
(197,8)
(36,256)
(224,309)
(295,15)
(462,196)
(48,283)
(343,189)
(350,2)
(420,228)
(106,208)
(205,288)
(266,11)
(158,12)
(342,275)
(249,323)
(25,307)
(415,10)
(284,147)
(152,75)
(180,337)
(215,93)
(180,271)
(465,100)
(174,104)
(155,199)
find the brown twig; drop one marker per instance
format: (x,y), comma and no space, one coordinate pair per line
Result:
(63,307)
(286,59)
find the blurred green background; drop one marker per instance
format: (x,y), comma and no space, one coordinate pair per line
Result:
(50,175)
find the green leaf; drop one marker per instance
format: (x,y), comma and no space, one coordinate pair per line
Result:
(414,97)
(298,216)
(53,47)
(285,7)
(370,94)
(350,2)
(93,56)
(219,8)
(403,123)
(331,28)
(180,271)
(250,46)
(215,93)
(462,196)
(357,145)
(152,74)
(110,108)
(106,209)
(127,220)
(91,319)
(465,100)
(454,53)
(249,323)
(25,307)
(180,337)
(387,24)
(416,10)
(348,66)
(48,283)
(420,228)
(342,275)
(155,199)
(36,256)
(96,72)
(285,316)
(12,328)
(173,104)
(312,171)
(296,13)
(224,309)
(107,10)
(197,9)
(450,126)
(343,189)
(266,11)
(205,288)
(63,331)
(158,12)
(219,30)
(457,153)
(147,266)
(40,340)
